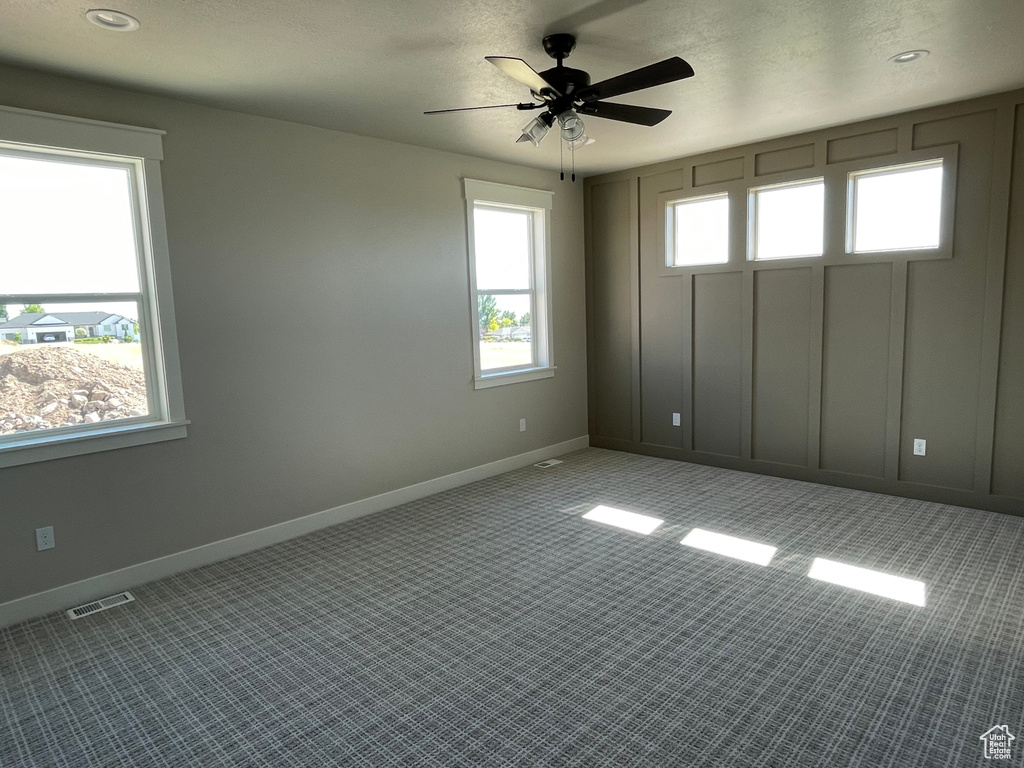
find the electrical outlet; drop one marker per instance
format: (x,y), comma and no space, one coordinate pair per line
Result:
(675,420)
(44,538)
(919,446)
(522,425)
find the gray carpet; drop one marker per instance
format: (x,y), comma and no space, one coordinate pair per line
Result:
(493,626)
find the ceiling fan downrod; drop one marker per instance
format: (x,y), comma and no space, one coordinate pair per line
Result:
(559,46)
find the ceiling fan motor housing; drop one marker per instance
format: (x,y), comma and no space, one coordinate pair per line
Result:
(565,80)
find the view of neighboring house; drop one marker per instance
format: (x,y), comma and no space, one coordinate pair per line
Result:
(49,327)
(509,333)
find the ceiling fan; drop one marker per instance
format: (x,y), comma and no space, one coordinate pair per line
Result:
(565,93)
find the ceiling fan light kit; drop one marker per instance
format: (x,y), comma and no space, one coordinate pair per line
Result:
(572,126)
(537,129)
(565,93)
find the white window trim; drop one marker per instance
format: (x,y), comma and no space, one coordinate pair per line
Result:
(143,149)
(668,205)
(752,217)
(539,203)
(946,160)
(837,209)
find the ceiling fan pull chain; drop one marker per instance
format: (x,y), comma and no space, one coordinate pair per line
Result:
(561,162)
(572,151)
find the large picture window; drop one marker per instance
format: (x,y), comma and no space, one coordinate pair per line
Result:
(88,359)
(509,242)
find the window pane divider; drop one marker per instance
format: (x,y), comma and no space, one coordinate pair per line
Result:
(50,298)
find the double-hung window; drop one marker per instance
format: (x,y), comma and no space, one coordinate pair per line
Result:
(509,246)
(88,354)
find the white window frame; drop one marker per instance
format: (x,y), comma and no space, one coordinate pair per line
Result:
(140,151)
(945,213)
(752,219)
(538,203)
(669,209)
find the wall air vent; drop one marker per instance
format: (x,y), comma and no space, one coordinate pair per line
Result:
(548,463)
(100,605)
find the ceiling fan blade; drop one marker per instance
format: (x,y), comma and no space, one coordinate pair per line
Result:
(624,113)
(666,71)
(523,72)
(492,106)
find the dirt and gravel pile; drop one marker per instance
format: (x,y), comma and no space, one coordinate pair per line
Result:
(47,386)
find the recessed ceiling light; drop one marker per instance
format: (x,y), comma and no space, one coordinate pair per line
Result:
(115,21)
(908,56)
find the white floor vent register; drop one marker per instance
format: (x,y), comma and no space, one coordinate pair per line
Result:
(548,463)
(100,605)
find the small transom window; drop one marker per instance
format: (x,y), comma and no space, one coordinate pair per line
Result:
(897,208)
(698,231)
(788,220)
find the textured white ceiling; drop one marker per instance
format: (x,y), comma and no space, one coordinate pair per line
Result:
(373,66)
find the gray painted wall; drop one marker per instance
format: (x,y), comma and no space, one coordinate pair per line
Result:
(822,369)
(365,388)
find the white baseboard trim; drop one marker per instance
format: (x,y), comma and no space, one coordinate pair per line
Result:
(86,590)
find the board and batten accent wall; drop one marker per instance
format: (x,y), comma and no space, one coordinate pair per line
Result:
(822,369)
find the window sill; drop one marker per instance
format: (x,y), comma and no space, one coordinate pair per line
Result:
(38,447)
(512,377)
